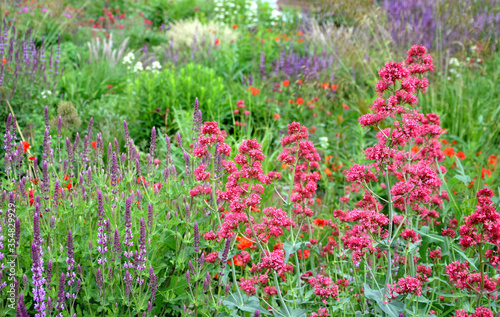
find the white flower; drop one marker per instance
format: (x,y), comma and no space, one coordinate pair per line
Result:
(46,93)
(138,67)
(128,58)
(454,61)
(156,65)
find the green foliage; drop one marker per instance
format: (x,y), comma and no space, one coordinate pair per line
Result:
(156,98)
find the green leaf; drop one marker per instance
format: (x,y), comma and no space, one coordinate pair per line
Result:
(243,302)
(465,179)
(393,309)
(290,249)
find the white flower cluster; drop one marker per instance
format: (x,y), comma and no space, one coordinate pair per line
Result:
(45,94)
(138,67)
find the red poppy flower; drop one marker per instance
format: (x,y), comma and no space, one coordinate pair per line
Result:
(235,26)
(325,85)
(26,146)
(66,177)
(286,83)
(31,158)
(276,116)
(299,100)
(217,42)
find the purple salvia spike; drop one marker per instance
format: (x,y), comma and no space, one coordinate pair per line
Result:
(187,163)
(61,298)
(117,248)
(152,147)
(153,283)
(46,116)
(206,283)
(196,238)
(150,215)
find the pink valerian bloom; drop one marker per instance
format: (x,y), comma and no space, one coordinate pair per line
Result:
(201,174)
(483,224)
(211,135)
(435,254)
(370,220)
(462,278)
(361,173)
(301,155)
(322,312)
(272,224)
(410,235)
(248,286)
(423,272)
(275,261)
(244,186)
(418,61)
(479,312)
(407,285)
(359,242)
(212,257)
(324,287)
(200,190)
(270,291)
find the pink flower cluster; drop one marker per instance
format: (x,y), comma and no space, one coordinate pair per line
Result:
(479,312)
(272,224)
(461,276)
(483,225)
(407,285)
(324,287)
(300,154)
(210,136)
(274,261)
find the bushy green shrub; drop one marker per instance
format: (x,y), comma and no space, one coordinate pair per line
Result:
(156,98)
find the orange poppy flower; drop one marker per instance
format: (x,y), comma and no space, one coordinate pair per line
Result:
(304,255)
(485,172)
(319,222)
(243,243)
(449,151)
(346,107)
(141,179)
(235,26)
(291,101)
(286,83)
(414,149)
(444,141)
(334,87)
(312,129)
(299,81)
(328,158)
(4,61)
(26,146)
(493,160)
(299,100)
(328,171)
(276,116)
(325,85)
(461,155)
(284,166)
